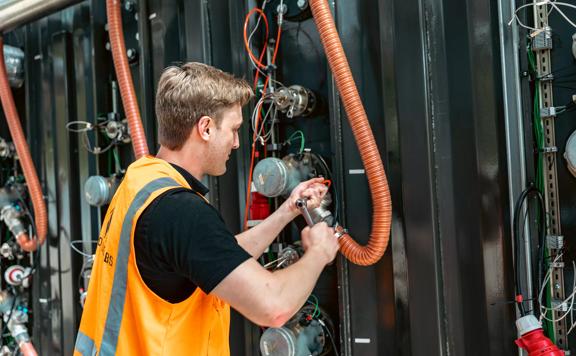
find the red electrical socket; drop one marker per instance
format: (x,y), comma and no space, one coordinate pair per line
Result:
(533,340)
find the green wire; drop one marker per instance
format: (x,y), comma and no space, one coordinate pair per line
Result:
(316,308)
(539,136)
(301,137)
(116,159)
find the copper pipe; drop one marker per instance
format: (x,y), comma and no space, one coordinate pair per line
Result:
(35,190)
(124,77)
(381,202)
(28,349)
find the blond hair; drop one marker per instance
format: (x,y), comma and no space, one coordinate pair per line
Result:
(190,91)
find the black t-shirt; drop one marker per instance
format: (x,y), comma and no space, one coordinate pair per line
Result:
(181,243)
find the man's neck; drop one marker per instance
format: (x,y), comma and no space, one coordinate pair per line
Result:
(180,158)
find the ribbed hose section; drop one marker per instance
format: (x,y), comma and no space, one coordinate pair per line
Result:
(28,349)
(124,77)
(34,188)
(381,202)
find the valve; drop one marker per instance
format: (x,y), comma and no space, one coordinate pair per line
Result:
(14,60)
(10,211)
(7,149)
(275,177)
(99,190)
(11,250)
(15,275)
(117,129)
(295,101)
(305,334)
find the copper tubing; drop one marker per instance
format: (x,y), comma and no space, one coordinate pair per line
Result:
(28,349)
(35,190)
(124,77)
(381,202)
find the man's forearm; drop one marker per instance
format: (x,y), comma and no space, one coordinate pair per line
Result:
(257,239)
(292,286)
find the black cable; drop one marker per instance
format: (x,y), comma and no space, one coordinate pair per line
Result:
(530,191)
(325,327)
(333,186)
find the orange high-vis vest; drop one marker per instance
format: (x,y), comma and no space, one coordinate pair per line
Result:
(122,316)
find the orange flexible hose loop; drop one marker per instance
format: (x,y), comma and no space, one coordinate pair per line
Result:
(27,243)
(124,77)
(27,349)
(382,204)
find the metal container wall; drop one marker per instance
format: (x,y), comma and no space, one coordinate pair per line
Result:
(429,76)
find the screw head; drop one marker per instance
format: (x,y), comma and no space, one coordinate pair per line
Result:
(129,5)
(282,9)
(302,4)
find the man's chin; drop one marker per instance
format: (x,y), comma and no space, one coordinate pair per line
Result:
(218,173)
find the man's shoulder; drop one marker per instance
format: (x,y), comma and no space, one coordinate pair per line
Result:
(182,198)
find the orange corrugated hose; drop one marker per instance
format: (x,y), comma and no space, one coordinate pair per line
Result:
(381,202)
(28,349)
(28,244)
(124,77)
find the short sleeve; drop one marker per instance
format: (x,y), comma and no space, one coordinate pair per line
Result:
(194,240)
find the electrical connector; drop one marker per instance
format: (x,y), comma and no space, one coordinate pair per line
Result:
(542,39)
(532,338)
(555,242)
(547,111)
(560,306)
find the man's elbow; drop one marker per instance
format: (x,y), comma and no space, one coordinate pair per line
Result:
(276,315)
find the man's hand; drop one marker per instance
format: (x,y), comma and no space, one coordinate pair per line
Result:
(313,191)
(321,239)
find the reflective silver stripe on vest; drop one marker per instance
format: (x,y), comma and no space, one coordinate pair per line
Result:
(118,297)
(85,345)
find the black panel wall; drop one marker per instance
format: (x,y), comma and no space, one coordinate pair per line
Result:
(429,76)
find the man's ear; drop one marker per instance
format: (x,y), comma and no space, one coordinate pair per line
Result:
(203,126)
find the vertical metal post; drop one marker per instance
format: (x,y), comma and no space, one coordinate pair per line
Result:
(515,145)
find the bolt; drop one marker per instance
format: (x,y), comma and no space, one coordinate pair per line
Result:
(556,286)
(302,4)
(108,46)
(282,9)
(130,5)
(131,53)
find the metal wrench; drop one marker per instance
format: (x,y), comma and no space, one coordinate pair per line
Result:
(301,204)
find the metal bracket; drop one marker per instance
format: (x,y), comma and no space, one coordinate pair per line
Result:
(550,149)
(546,77)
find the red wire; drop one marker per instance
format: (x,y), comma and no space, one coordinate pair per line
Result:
(247,45)
(247,205)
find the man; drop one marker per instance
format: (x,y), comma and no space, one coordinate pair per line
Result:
(167,269)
